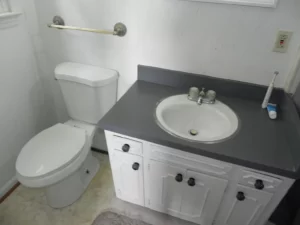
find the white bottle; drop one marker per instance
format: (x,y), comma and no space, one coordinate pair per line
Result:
(269,91)
(272,111)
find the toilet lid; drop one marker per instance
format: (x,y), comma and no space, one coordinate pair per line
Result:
(49,150)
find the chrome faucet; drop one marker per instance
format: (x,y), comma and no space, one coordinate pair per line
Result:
(203,97)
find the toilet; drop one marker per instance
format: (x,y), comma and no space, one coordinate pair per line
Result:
(59,158)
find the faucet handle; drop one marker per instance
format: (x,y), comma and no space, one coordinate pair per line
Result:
(211,95)
(193,94)
(202,93)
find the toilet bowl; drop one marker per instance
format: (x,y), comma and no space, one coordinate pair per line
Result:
(59,158)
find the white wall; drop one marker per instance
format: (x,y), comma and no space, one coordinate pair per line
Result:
(219,40)
(25,109)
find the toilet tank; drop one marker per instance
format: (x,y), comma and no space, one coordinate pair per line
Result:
(89,91)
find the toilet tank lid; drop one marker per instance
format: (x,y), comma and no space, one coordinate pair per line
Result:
(85,74)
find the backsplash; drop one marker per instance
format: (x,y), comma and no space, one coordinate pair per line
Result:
(225,87)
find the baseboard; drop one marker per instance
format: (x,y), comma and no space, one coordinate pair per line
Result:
(99,150)
(8,188)
(270,223)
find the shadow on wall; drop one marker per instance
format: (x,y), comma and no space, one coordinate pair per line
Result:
(41,105)
(24,111)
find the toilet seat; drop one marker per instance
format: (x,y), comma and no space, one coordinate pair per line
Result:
(51,155)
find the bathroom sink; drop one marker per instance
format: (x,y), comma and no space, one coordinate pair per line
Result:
(208,123)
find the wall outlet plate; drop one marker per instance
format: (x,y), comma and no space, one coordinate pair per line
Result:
(282,41)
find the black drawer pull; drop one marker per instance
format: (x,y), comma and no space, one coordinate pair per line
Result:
(191,182)
(126,148)
(259,184)
(179,178)
(135,166)
(240,196)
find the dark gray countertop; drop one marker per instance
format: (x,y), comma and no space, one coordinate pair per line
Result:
(261,143)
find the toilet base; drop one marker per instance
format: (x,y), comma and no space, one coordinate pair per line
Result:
(70,189)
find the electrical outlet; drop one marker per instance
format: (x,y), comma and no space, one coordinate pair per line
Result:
(282,41)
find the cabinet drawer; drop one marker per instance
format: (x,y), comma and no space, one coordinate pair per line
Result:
(200,163)
(127,145)
(259,181)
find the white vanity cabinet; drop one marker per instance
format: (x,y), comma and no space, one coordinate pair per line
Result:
(192,187)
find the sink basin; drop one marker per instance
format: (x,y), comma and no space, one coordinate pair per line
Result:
(208,123)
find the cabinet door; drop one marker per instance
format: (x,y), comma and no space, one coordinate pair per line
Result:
(201,197)
(127,172)
(165,191)
(246,206)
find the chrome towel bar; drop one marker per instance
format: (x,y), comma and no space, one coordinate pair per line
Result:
(119,29)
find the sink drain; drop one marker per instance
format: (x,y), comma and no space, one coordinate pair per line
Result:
(193,132)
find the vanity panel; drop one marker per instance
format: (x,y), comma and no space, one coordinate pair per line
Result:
(178,183)
(200,163)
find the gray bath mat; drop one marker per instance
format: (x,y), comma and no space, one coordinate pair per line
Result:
(112,218)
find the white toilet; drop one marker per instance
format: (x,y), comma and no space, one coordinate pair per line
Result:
(59,158)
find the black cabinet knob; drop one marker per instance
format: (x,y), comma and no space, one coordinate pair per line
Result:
(240,196)
(179,177)
(126,148)
(191,182)
(135,166)
(259,184)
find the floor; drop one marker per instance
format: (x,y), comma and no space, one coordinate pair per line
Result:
(28,206)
